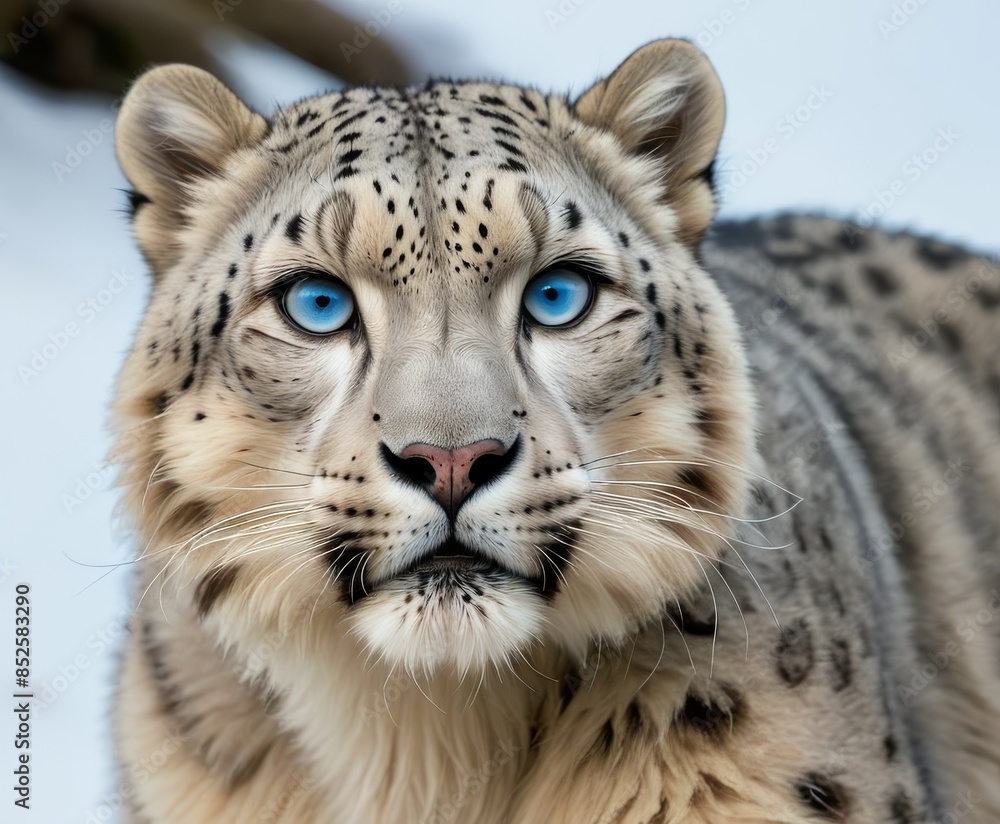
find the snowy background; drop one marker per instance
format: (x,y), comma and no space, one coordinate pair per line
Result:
(828,104)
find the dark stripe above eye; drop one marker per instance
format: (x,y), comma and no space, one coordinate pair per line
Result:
(293,229)
(572,215)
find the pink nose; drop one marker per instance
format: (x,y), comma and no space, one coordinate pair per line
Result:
(454,475)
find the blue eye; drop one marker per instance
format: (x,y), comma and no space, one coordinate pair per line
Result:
(557,297)
(318,305)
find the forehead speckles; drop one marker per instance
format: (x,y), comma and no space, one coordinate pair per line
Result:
(344,161)
(306,117)
(503,118)
(512,165)
(880,280)
(354,118)
(450,124)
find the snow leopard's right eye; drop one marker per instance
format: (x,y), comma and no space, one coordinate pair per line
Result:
(318,304)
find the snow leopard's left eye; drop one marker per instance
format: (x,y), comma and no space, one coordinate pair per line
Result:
(319,305)
(558,297)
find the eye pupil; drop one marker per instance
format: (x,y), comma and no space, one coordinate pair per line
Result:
(559,296)
(317,304)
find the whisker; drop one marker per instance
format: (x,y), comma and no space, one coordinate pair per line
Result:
(276,469)
(657,486)
(641,513)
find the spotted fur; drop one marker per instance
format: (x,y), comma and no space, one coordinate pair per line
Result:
(724,530)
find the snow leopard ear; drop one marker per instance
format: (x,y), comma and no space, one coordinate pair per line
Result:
(177,126)
(665,101)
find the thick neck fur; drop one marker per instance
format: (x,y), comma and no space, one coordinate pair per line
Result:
(372,744)
(391,748)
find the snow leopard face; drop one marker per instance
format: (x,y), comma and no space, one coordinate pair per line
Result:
(437,368)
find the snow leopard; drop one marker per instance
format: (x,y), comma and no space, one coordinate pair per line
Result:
(477,475)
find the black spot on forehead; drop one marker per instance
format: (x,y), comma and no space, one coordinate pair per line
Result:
(293,229)
(572,215)
(459,123)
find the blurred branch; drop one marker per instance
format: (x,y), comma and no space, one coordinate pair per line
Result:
(101,45)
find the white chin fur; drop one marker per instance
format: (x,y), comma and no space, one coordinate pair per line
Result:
(469,625)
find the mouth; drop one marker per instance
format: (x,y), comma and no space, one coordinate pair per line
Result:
(453,606)
(454,556)
(454,567)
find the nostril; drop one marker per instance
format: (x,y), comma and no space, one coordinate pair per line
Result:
(419,470)
(486,467)
(491,465)
(451,475)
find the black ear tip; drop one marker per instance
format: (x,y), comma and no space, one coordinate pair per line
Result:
(135,201)
(707,175)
